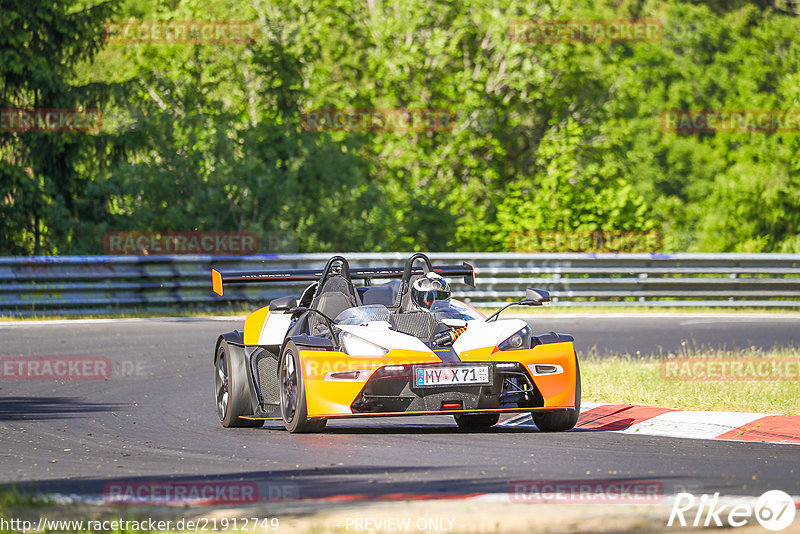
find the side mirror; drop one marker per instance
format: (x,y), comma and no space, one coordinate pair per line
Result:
(533,297)
(282,305)
(536,297)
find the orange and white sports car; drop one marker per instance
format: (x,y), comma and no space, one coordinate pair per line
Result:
(341,351)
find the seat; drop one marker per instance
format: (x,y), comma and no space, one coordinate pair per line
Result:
(403,303)
(333,303)
(334,296)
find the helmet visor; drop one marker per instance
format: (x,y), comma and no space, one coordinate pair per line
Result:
(427,298)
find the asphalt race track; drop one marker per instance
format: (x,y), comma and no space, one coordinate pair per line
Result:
(154,419)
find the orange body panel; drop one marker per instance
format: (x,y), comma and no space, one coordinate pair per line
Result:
(333,398)
(253,324)
(558,390)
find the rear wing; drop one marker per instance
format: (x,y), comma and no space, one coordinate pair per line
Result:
(218,279)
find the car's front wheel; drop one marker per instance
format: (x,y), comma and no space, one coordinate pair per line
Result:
(476,420)
(230,383)
(294,409)
(561,421)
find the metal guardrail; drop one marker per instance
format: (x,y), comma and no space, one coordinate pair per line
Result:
(86,284)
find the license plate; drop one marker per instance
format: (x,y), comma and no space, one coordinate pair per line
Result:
(451,376)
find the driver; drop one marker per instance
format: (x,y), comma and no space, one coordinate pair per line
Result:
(428,289)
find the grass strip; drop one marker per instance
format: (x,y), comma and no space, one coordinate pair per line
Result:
(752,380)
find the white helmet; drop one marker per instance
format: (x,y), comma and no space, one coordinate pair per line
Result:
(429,288)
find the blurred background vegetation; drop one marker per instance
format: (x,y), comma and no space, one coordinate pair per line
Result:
(548,137)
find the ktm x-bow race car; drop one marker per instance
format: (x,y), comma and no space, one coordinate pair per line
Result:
(401,347)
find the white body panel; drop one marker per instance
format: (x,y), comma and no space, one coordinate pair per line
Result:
(273,332)
(481,334)
(378,333)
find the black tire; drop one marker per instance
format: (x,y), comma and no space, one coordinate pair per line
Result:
(476,421)
(232,395)
(561,421)
(293,394)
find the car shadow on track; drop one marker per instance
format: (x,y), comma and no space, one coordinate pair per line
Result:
(426,430)
(442,427)
(46,408)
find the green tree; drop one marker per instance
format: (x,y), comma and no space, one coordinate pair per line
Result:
(547,136)
(42,192)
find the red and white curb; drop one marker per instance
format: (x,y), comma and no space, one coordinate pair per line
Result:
(654,421)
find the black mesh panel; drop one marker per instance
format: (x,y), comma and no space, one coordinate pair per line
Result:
(267,364)
(418,324)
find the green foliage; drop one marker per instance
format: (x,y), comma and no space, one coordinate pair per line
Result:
(548,136)
(42,188)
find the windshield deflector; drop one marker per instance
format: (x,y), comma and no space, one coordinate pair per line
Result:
(453,309)
(363,314)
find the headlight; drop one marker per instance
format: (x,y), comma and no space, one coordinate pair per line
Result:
(520,340)
(356,346)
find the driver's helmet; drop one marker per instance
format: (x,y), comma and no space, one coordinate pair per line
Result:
(429,288)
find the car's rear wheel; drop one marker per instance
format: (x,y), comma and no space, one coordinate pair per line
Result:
(232,396)
(561,421)
(294,409)
(476,420)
